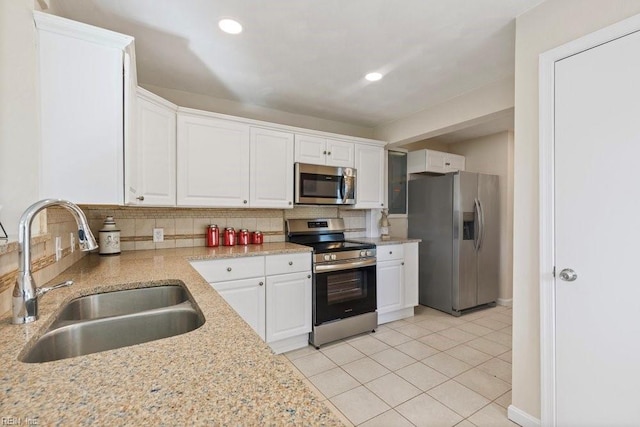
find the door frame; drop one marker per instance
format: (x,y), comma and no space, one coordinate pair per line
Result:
(546,72)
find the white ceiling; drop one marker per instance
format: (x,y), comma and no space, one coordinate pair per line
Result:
(310,56)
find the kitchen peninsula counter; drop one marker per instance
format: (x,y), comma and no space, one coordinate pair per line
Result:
(220,373)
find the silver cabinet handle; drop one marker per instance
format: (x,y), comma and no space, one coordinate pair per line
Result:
(261,283)
(228,268)
(568,275)
(141,198)
(290,262)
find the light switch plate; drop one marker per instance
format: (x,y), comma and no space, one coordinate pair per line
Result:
(158,235)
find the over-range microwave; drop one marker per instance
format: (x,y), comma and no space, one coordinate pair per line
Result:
(324,185)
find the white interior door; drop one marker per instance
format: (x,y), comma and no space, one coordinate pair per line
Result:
(597,203)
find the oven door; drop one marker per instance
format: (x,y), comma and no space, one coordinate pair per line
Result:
(343,293)
(324,185)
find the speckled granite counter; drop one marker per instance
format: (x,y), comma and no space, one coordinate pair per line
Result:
(379,242)
(219,374)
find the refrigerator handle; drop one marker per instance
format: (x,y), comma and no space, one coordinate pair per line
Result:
(481,223)
(476,224)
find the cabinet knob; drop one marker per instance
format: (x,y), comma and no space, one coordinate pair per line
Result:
(308,276)
(141,198)
(228,268)
(447,164)
(244,201)
(329,153)
(402,263)
(382,204)
(324,152)
(390,252)
(261,283)
(290,262)
(290,203)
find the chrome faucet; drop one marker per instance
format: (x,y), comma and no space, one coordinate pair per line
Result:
(25,293)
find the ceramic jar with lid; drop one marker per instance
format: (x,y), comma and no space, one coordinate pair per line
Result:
(109,237)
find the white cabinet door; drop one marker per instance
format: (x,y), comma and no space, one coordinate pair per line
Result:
(212,162)
(389,286)
(340,153)
(453,163)
(370,176)
(410,251)
(310,149)
(155,157)
(434,161)
(288,305)
(81,111)
(247,298)
(271,169)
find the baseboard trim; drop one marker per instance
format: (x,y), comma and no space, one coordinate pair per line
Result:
(505,302)
(520,417)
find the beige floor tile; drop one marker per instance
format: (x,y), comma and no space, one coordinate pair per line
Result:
(468,355)
(433,324)
(491,323)
(304,351)
(508,330)
(414,331)
(474,315)
(489,347)
(388,419)
(393,359)
(500,338)
(333,382)
(342,353)
(393,389)
(338,414)
(483,383)
(477,330)
(417,350)
(422,376)
(392,338)
(313,364)
(498,368)
(507,356)
(365,370)
(452,320)
(465,423)
(438,341)
(397,324)
(458,397)
(504,400)
(368,345)
(359,404)
(457,335)
(424,410)
(491,416)
(446,364)
(502,318)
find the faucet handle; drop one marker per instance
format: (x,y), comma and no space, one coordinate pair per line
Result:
(42,291)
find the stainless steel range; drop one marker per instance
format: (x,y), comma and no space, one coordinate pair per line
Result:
(344,279)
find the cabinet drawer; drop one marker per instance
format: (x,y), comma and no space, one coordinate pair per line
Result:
(230,268)
(288,263)
(389,252)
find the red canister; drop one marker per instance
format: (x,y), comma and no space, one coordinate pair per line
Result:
(257,237)
(213,236)
(243,237)
(229,236)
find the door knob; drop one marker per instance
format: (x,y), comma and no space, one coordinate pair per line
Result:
(568,275)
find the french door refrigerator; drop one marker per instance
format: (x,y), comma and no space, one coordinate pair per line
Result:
(457,217)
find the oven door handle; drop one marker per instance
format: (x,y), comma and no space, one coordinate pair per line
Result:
(343,265)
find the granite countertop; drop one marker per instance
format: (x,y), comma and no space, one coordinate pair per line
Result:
(379,242)
(221,373)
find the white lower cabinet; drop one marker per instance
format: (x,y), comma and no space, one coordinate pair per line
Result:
(396,281)
(271,293)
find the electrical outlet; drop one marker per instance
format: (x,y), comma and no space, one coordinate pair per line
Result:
(72,242)
(58,248)
(158,235)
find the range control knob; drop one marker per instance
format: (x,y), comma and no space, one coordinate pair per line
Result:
(369,253)
(327,257)
(363,253)
(333,257)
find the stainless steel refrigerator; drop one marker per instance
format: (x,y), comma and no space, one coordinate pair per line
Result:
(457,217)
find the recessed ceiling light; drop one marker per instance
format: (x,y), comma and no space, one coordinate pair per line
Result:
(230,26)
(373,77)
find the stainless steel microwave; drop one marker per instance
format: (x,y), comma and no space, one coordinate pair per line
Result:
(324,185)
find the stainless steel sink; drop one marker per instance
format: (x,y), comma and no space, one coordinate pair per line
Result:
(116,319)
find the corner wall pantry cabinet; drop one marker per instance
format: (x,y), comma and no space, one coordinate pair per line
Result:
(317,150)
(87,89)
(150,177)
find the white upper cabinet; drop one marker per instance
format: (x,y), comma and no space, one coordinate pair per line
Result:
(370,176)
(85,78)
(318,150)
(434,161)
(150,177)
(212,162)
(271,169)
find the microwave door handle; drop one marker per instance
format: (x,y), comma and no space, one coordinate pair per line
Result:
(343,188)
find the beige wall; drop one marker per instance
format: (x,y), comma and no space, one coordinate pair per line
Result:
(224,106)
(19,124)
(493,154)
(549,25)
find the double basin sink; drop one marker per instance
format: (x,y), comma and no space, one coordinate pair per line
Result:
(111,320)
